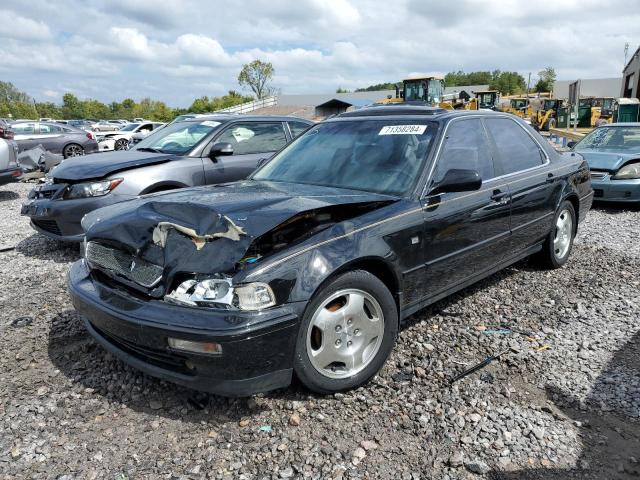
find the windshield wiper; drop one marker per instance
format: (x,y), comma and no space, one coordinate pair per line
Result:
(149,149)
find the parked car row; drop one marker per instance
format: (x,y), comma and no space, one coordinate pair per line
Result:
(126,136)
(65,140)
(260,266)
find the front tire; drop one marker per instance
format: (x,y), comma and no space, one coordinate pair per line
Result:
(346,334)
(121,144)
(557,247)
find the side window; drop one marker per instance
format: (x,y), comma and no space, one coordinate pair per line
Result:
(146,126)
(254,137)
(465,147)
(50,128)
(24,128)
(297,128)
(517,150)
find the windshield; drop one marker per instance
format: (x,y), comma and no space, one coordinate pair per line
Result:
(383,156)
(519,103)
(178,138)
(611,139)
(130,127)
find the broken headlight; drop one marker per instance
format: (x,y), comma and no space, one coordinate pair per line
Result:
(92,189)
(630,171)
(220,293)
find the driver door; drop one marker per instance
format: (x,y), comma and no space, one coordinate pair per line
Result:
(251,141)
(466,233)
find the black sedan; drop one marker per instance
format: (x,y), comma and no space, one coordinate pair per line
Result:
(310,266)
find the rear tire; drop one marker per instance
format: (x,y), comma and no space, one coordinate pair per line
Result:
(557,247)
(346,334)
(72,150)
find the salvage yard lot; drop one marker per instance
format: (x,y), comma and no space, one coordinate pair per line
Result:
(571,410)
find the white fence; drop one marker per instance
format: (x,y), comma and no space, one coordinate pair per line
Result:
(251,106)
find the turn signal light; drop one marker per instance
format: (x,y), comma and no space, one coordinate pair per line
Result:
(207,348)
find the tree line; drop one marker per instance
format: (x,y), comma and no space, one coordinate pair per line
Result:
(507,83)
(16,104)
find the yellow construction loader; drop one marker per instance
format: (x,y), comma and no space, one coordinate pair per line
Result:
(601,109)
(485,100)
(519,106)
(429,90)
(546,116)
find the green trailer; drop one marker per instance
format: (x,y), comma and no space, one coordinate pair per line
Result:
(626,110)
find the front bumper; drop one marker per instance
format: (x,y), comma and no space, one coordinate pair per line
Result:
(608,190)
(257,347)
(10,176)
(60,219)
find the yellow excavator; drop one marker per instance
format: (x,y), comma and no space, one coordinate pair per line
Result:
(547,115)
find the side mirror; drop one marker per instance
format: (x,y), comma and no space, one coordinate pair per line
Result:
(572,144)
(220,150)
(458,180)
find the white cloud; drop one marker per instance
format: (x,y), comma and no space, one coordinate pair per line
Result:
(15,26)
(178,50)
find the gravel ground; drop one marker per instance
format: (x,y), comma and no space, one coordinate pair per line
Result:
(562,404)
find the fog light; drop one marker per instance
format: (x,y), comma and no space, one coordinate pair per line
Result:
(208,348)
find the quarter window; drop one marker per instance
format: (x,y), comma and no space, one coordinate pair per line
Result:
(517,150)
(465,147)
(254,137)
(297,128)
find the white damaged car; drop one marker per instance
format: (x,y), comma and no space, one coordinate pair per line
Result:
(121,139)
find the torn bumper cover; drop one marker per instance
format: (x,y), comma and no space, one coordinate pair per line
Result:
(256,347)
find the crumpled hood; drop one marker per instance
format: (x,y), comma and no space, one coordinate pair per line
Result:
(209,229)
(98,165)
(609,161)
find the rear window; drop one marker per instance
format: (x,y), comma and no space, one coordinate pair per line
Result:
(517,150)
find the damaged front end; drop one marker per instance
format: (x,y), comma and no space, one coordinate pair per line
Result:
(188,252)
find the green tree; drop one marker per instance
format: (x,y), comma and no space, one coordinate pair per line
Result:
(257,75)
(9,93)
(547,78)
(71,106)
(507,83)
(48,110)
(378,87)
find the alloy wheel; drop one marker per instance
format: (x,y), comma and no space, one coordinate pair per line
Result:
(345,333)
(74,151)
(564,232)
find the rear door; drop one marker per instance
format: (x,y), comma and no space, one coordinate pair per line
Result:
(26,135)
(251,141)
(524,166)
(466,233)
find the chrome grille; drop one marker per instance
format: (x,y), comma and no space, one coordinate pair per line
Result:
(596,175)
(124,264)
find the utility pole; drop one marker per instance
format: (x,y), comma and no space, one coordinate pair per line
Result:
(626,53)
(528,83)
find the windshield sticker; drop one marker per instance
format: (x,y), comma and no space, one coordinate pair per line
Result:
(403,130)
(210,123)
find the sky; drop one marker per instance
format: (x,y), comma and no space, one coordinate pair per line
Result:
(178,50)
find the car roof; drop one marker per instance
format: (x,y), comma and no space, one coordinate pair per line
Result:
(399,110)
(226,117)
(621,124)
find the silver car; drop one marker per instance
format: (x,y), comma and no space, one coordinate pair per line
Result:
(198,151)
(9,169)
(54,137)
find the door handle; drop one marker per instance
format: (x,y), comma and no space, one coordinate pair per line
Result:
(498,195)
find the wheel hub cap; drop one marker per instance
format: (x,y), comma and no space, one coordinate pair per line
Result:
(345,333)
(564,232)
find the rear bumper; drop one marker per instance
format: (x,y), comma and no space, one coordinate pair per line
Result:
(257,347)
(607,190)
